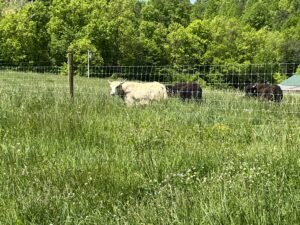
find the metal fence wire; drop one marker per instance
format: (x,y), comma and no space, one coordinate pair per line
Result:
(223,86)
(234,74)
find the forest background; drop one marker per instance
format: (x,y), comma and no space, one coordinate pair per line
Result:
(153,32)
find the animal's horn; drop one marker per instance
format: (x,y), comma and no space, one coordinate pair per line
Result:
(123,81)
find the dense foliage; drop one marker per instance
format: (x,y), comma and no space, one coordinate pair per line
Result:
(153,32)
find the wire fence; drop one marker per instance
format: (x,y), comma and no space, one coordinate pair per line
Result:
(223,86)
(232,74)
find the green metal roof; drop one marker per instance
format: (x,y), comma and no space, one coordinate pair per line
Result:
(292,81)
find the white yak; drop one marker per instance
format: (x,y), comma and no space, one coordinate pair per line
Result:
(136,93)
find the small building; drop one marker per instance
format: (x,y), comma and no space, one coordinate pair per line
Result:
(292,84)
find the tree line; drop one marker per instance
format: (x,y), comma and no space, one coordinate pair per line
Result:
(153,32)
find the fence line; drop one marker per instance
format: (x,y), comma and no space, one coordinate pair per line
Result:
(212,75)
(223,85)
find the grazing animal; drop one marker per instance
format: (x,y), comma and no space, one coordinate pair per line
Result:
(266,91)
(135,93)
(186,90)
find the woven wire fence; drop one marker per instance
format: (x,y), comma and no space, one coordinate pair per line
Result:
(32,79)
(223,86)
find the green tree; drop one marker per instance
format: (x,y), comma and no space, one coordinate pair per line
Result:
(232,41)
(152,40)
(290,48)
(258,15)
(198,10)
(169,11)
(151,14)
(80,49)
(67,19)
(269,46)
(232,8)
(153,32)
(111,27)
(23,35)
(212,8)
(188,45)
(2,5)
(123,31)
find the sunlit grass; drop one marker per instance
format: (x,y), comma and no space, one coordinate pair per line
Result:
(227,160)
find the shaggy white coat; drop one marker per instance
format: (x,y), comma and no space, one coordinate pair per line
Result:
(135,93)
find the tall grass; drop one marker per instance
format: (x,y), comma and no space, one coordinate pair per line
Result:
(228,160)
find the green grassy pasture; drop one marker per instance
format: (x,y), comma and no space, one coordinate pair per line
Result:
(228,160)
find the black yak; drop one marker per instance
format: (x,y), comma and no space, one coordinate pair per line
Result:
(185,90)
(266,91)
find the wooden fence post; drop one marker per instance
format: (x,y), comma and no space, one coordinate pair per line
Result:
(71,74)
